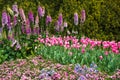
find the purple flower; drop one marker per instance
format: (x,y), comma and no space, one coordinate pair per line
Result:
(41,11)
(9,22)
(76,18)
(22,15)
(60,19)
(31,16)
(15,20)
(4,18)
(83,16)
(82,78)
(15,9)
(36,30)
(28,29)
(48,19)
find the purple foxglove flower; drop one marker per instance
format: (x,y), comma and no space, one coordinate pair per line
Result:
(57,27)
(83,16)
(4,18)
(18,46)
(15,9)
(60,19)
(76,18)
(9,22)
(65,24)
(31,16)
(36,30)
(28,29)
(41,11)
(22,15)
(48,20)
(15,20)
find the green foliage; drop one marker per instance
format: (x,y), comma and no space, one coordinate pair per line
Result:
(59,54)
(10,53)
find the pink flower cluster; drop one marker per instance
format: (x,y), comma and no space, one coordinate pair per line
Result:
(72,42)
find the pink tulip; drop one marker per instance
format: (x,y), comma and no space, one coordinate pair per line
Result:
(100,57)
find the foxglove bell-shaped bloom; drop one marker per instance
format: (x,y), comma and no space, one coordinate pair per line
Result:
(41,11)
(31,16)
(15,9)
(60,19)
(76,18)
(83,16)
(4,18)
(22,14)
(48,19)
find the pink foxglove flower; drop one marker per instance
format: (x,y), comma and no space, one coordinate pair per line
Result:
(83,16)
(76,18)
(22,14)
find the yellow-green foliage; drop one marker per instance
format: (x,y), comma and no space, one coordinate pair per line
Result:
(102,16)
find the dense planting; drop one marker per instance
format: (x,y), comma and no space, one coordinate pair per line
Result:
(61,41)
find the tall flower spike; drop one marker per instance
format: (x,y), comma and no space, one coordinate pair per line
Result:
(22,15)
(31,16)
(10,11)
(28,29)
(15,9)
(4,18)
(41,11)
(83,16)
(48,19)
(9,22)
(76,18)
(60,19)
